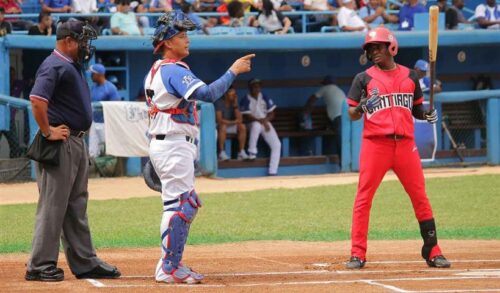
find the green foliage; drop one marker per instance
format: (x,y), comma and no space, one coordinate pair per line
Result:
(464,207)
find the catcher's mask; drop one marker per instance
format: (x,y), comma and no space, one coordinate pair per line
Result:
(150,177)
(169,25)
(81,32)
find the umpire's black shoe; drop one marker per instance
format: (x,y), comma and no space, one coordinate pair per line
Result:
(439,262)
(355,263)
(102,271)
(50,274)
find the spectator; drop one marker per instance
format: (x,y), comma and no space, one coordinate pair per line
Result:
(84,6)
(5,27)
(160,6)
(45,25)
(124,22)
(319,5)
(407,12)
(333,97)
(454,15)
(374,14)
(349,20)
(12,7)
(57,6)
(229,121)
(488,16)
(259,111)
(106,6)
(201,24)
(247,4)
(271,20)
(421,67)
(236,12)
(102,90)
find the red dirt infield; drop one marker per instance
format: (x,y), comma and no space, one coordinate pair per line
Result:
(285,266)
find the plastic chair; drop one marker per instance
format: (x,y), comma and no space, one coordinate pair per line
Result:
(221,30)
(106,32)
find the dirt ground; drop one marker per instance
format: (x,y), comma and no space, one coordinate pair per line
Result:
(285,266)
(126,187)
(272,266)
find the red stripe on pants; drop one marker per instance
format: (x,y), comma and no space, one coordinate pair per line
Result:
(378,155)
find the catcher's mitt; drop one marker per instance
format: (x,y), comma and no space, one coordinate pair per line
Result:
(151,178)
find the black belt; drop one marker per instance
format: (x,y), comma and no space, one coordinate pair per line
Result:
(77,133)
(395,136)
(188,138)
(169,202)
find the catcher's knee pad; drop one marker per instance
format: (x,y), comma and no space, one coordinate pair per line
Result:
(175,237)
(428,232)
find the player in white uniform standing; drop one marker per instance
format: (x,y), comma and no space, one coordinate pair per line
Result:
(259,109)
(171,89)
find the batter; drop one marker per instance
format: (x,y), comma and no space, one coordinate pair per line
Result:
(388,95)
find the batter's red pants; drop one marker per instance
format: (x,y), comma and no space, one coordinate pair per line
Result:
(378,155)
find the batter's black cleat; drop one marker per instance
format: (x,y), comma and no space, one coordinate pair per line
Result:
(102,271)
(439,262)
(355,263)
(50,274)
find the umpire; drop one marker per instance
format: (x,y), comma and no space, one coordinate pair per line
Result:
(62,108)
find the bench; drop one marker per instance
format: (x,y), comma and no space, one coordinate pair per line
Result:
(287,124)
(464,120)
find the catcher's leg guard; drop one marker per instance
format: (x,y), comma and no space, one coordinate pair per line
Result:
(174,239)
(428,232)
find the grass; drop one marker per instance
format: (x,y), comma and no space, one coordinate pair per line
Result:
(464,207)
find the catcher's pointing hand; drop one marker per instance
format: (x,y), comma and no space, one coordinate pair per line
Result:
(242,65)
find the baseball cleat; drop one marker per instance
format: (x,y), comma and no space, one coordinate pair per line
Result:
(439,262)
(355,263)
(223,156)
(181,275)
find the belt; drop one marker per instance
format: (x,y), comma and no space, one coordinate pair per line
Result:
(169,202)
(77,133)
(187,138)
(395,136)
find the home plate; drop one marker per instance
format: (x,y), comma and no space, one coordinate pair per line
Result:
(321,264)
(494,273)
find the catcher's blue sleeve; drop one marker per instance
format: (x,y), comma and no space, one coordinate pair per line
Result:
(215,90)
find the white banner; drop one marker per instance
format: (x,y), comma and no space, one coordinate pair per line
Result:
(126,128)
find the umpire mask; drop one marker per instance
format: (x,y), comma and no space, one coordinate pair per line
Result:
(84,34)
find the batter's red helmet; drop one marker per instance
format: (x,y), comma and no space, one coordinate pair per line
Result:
(382,35)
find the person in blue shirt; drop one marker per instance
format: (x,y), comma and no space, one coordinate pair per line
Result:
(57,6)
(374,14)
(102,90)
(421,67)
(406,14)
(61,106)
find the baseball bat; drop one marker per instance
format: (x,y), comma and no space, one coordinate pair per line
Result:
(453,143)
(433,44)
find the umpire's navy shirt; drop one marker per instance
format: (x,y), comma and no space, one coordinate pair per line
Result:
(61,83)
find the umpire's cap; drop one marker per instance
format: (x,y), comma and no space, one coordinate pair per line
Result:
(71,28)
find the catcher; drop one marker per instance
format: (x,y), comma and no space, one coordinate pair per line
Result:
(171,90)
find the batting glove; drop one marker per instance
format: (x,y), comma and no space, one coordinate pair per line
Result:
(431,116)
(367,104)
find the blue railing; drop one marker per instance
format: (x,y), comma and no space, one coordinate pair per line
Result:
(304,15)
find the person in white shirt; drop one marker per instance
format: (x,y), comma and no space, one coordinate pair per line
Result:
(259,110)
(84,6)
(488,16)
(348,18)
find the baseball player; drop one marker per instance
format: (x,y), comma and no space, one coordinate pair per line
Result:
(259,110)
(171,90)
(388,95)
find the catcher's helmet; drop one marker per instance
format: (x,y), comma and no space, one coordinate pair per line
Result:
(169,25)
(382,35)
